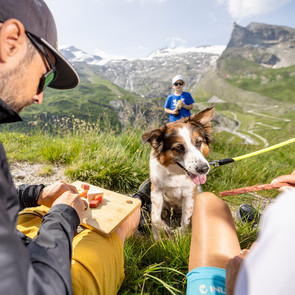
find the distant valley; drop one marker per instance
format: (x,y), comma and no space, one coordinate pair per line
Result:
(251,81)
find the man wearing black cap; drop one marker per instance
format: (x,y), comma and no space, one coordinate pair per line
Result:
(29,62)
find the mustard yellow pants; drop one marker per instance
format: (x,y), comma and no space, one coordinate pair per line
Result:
(97,263)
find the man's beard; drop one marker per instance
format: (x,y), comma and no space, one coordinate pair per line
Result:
(11,85)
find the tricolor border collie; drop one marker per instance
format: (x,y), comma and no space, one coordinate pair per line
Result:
(178,166)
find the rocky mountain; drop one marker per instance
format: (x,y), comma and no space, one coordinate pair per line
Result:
(251,81)
(74,54)
(268,45)
(150,77)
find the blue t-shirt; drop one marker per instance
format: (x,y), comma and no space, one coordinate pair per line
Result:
(172,101)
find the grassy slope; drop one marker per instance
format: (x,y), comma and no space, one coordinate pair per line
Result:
(89,101)
(278,84)
(118,161)
(261,99)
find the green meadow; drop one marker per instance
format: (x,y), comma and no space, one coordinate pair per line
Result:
(117,160)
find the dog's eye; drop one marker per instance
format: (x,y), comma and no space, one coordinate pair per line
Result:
(179,148)
(199,143)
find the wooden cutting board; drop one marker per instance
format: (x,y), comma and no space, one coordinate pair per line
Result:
(110,213)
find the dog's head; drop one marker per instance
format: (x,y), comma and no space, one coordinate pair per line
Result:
(184,144)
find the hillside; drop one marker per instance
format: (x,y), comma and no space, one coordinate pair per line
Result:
(251,81)
(254,92)
(94,99)
(150,77)
(267,45)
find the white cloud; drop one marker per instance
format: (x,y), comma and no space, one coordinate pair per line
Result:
(175,42)
(242,9)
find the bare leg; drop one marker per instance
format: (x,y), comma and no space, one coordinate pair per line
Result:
(129,227)
(214,240)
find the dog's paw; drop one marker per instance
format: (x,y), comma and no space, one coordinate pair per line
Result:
(163,230)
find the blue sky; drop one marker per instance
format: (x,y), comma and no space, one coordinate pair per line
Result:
(135,28)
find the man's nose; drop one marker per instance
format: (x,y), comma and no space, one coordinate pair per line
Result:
(38,98)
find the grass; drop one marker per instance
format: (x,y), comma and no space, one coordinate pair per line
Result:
(46,171)
(117,160)
(278,84)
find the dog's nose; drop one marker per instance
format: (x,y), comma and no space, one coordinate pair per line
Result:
(203,169)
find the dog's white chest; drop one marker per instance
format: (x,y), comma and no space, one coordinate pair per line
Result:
(173,186)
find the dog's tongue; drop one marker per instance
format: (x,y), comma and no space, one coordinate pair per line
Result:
(198,179)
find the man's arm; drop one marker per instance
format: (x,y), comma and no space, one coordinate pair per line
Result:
(28,195)
(51,251)
(35,195)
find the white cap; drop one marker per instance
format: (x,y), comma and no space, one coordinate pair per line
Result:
(177,77)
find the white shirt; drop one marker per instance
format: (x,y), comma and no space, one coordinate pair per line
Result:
(269,268)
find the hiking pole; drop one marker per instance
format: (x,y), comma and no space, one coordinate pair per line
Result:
(217,163)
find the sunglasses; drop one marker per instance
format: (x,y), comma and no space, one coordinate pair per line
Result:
(51,75)
(178,83)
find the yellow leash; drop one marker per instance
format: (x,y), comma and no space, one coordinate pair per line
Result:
(217,163)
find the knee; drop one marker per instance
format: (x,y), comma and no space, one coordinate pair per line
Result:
(206,199)
(209,202)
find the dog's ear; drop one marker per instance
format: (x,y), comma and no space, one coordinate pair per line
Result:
(154,136)
(204,117)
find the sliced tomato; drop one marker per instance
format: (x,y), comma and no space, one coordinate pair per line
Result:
(98,198)
(93,203)
(83,194)
(85,186)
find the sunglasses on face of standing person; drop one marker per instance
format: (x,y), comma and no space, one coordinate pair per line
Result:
(178,83)
(50,76)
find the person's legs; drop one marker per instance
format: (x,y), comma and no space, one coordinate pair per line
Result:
(213,243)
(214,239)
(97,262)
(129,227)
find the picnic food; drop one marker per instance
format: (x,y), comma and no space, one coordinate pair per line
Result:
(94,194)
(84,190)
(253,188)
(85,186)
(94,203)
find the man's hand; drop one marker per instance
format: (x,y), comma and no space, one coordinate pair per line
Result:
(290,179)
(50,193)
(232,270)
(73,200)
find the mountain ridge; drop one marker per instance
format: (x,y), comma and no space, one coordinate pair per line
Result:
(243,78)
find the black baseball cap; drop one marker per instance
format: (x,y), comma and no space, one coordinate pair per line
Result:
(38,21)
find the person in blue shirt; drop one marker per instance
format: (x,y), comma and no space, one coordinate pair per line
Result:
(179,103)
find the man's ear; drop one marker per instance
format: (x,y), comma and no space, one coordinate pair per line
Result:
(12,39)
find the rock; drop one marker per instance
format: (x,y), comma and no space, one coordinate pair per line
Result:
(268,45)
